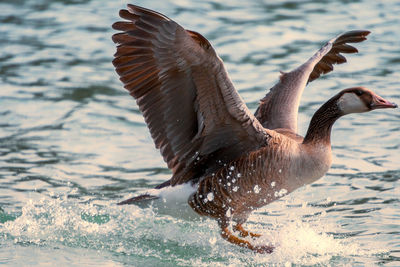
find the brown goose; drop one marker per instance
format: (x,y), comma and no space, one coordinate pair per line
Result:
(231,161)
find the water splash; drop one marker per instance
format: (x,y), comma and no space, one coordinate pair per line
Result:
(143,236)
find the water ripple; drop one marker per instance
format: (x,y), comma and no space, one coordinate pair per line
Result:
(73,142)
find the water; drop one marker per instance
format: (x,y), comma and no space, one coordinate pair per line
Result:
(73,143)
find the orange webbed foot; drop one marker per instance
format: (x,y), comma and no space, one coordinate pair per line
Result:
(227,235)
(244,233)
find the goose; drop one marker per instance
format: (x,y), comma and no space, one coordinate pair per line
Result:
(226,161)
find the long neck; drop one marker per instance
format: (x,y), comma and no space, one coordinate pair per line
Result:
(321,123)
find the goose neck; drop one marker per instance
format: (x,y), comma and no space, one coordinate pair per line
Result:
(319,130)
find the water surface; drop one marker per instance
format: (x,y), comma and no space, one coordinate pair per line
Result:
(73,143)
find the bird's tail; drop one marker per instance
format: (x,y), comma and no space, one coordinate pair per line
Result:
(138,199)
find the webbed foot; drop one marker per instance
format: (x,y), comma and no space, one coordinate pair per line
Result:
(227,235)
(244,233)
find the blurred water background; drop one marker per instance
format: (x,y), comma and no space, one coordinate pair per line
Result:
(73,143)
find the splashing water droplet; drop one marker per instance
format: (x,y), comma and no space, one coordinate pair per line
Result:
(210,196)
(256,189)
(235,188)
(228,213)
(281,193)
(212,240)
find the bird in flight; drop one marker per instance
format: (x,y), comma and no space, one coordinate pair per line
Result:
(228,160)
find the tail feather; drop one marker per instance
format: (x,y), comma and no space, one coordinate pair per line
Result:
(136,200)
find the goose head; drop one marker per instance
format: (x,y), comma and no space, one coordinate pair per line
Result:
(350,100)
(360,99)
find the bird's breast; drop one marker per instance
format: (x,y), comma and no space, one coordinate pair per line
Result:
(259,179)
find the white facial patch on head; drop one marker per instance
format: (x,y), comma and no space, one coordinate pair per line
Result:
(351,103)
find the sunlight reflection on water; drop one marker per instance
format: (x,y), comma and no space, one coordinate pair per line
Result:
(73,143)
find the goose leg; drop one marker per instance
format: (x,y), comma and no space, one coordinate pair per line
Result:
(244,233)
(228,236)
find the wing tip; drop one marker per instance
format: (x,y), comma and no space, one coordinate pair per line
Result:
(363,33)
(354,36)
(142,11)
(120,25)
(134,12)
(135,200)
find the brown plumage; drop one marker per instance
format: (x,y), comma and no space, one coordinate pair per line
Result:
(179,83)
(236,161)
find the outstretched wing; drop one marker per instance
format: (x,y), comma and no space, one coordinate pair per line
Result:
(195,115)
(278,109)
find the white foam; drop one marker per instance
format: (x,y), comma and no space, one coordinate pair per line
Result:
(147,234)
(173,200)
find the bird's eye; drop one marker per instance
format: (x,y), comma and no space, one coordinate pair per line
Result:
(359,92)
